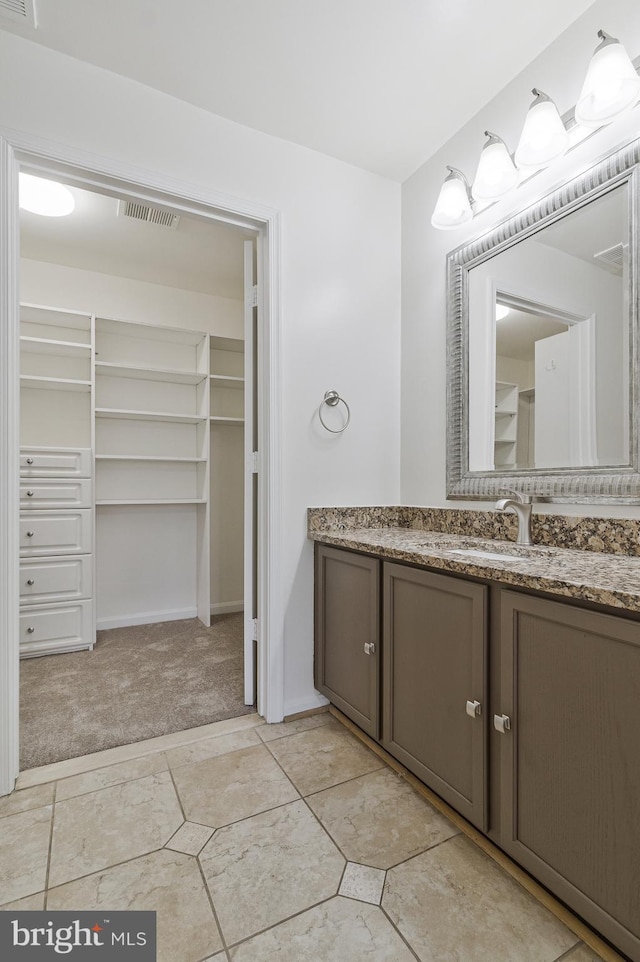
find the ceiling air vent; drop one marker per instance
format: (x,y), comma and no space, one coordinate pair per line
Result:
(612,259)
(22,11)
(152,215)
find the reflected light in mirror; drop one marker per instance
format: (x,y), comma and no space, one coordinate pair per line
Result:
(501,311)
(45,197)
(611,86)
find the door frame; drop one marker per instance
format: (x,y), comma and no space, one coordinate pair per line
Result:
(89,171)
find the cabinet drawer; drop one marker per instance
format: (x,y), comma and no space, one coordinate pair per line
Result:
(55,462)
(55,628)
(55,494)
(60,579)
(52,533)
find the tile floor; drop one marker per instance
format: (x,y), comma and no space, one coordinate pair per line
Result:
(257,843)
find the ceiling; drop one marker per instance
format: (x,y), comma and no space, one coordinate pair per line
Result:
(381,84)
(199,255)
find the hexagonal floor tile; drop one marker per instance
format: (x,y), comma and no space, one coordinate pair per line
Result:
(269,867)
(453,902)
(168,883)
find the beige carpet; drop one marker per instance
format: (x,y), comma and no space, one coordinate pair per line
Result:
(136,683)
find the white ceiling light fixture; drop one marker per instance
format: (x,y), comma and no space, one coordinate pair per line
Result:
(496,173)
(544,137)
(45,197)
(453,206)
(501,311)
(611,86)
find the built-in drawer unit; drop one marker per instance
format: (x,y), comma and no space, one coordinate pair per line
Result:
(55,579)
(55,462)
(52,533)
(55,628)
(55,494)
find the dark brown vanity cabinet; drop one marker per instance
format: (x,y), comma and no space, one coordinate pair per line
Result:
(561,718)
(434,656)
(570,760)
(429,667)
(347,634)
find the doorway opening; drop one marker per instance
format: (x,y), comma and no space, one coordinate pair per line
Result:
(138,544)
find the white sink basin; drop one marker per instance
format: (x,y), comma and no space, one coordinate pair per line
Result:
(490,555)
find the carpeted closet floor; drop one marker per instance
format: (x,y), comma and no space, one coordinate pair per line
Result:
(137,683)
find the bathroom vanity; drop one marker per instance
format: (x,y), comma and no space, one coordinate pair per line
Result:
(507,679)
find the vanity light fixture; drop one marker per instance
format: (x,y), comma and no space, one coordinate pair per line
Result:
(496,172)
(611,86)
(453,206)
(544,136)
(45,197)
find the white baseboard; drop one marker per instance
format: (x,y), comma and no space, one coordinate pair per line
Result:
(227,607)
(146,618)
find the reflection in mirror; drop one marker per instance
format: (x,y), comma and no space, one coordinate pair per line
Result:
(549,345)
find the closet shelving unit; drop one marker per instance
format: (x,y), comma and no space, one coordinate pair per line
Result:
(151,411)
(56,484)
(226,380)
(506,424)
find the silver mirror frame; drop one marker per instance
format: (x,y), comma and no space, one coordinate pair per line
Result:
(615,485)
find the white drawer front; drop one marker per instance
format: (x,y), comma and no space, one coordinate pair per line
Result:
(56,628)
(55,462)
(68,532)
(55,494)
(60,579)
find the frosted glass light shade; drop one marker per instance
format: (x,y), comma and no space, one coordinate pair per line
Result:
(611,86)
(45,197)
(496,173)
(453,206)
(543,137)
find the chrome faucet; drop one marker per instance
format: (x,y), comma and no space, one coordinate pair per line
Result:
(520,504)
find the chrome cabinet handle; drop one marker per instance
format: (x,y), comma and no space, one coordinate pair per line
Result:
(474,708)
(30,581)
(502,723)
(30,534)
(30,630)
(369,648)
(29,494)
(29,460)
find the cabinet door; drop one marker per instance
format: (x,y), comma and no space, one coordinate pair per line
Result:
(347,628)
(570,763)
(434,691)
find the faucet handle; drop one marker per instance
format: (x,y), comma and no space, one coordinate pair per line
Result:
(516,495)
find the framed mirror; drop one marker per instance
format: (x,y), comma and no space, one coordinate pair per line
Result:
(542,347)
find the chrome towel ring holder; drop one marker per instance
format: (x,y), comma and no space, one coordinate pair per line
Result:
(332,399)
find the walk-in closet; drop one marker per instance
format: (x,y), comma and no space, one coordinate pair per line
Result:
(133,378)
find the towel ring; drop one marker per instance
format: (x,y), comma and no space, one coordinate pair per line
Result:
(332,398)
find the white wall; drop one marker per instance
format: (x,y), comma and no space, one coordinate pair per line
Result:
(55,285)
(559,71)
(340,283)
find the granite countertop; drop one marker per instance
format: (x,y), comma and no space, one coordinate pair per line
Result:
(605,579)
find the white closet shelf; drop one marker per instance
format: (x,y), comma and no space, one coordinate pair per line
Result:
(223,380)
(152,501)
(46,345)
(129,415)
(224,420)
(148,457)
(54,383)
(111,369)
